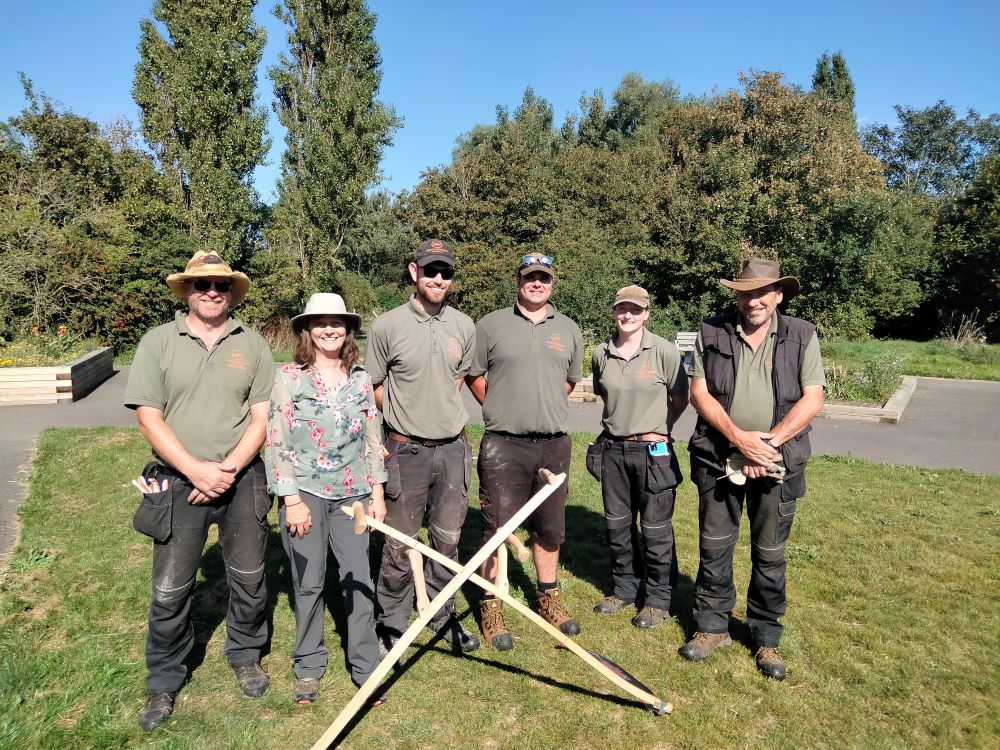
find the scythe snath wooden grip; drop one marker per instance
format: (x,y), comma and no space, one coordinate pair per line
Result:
(359,517)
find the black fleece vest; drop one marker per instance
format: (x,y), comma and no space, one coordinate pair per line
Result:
(721,357)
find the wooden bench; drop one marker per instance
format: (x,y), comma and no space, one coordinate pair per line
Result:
(684,341)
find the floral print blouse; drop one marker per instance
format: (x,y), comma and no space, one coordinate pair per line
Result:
(326,443)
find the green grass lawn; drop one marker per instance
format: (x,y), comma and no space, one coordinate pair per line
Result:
(936,359)
(892,631)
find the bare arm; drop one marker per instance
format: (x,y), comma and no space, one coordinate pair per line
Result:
(569,387)
(253,438)
(750,443)
(800,415)
(210,479)
(379,389)
(477,386)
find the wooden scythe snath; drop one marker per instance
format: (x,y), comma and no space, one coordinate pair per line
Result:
(427,609)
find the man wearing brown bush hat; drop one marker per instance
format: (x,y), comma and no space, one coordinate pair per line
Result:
(757,382)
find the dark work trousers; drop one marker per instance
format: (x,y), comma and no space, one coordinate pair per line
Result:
(242,518)
(422,479)
(308,562)
(720,507)
(639,492)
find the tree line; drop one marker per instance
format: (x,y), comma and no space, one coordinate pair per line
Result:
(892,229)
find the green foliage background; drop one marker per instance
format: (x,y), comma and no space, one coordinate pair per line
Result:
(892,230)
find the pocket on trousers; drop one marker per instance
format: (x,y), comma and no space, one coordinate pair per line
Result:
(786,514)
(261,497)
(393,485)
(155,514)
(595,460)
(662,472)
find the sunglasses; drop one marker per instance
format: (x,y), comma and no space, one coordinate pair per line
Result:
(203,285)
(447,272)
(537,260)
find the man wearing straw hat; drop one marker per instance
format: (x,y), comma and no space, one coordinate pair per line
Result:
(418,356)
(757,382)
(200,386)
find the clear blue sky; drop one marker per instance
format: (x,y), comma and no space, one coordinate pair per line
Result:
(448,64)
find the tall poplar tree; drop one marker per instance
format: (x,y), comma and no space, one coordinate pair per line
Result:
(325,90)
(832,81)
(195,85)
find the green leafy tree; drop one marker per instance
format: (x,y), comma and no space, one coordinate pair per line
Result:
(932,150)
(86,227)
(326,89)
(195,85)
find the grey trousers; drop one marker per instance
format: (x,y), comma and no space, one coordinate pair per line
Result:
(307,557)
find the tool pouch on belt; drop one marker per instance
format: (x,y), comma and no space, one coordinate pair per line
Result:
(595,459)
(154,515)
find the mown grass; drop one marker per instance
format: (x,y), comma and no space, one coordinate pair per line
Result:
(935,359)
(891,634)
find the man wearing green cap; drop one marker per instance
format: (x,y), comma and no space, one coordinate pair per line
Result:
(757,382)
(528,359)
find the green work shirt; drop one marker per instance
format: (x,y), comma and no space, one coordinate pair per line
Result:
(752,406)
(636,390)
(527,366)
(418,359)
(205,396)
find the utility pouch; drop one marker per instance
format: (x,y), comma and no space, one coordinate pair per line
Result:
(595,459)
(154,516)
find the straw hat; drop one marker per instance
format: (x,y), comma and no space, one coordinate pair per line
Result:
(325,303)
(758,273)
(209,265)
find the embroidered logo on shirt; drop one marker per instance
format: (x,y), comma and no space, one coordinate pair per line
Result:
(238,361)
(645,370)
(555,343)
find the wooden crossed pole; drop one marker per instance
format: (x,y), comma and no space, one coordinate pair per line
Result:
(426,608)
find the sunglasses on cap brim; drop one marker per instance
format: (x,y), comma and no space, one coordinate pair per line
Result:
(537,260)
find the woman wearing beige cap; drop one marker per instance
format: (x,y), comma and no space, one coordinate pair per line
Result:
(324,449)
(645,389)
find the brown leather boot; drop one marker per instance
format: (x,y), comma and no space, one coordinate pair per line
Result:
(702,644)
(770,663)
(494,628)
(550,607)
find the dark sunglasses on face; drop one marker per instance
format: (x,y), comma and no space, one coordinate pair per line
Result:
(537,260)
(203,285)
(447,272)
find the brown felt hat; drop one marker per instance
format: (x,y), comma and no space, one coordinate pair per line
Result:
(758,273)
(209,265)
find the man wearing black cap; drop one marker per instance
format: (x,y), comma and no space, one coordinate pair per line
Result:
(418,356)
(757,382)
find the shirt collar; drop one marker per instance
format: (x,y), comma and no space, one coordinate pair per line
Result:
(550,311)
(180,320)
(421,315)
(645,343)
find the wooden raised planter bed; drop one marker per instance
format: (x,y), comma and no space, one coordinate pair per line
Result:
(56,385)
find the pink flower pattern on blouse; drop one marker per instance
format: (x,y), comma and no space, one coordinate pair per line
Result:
(322,441)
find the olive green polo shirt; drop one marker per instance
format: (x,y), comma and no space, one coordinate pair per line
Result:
(205,396)
(752,407)
(636,390)
(527,366)
(418,358)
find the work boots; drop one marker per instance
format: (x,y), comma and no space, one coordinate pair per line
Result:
(702,644)
(494,628)
(551,608)
(770,663)
(157,710)
(611,605)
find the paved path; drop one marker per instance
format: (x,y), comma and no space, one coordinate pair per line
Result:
(948,424)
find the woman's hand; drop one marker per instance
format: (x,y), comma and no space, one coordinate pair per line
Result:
(298,519)
(376,505)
